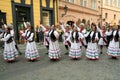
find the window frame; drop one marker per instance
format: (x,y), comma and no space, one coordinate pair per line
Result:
(93,2)
(71,1)
(83,3)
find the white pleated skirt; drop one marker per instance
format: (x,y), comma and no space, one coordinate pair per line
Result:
(31,52)
(92,51)
(10,52)
(113,49)
(54,50)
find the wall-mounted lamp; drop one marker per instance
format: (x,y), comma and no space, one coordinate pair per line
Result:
(65,11)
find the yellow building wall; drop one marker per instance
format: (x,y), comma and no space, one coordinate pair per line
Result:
(28,1)
(51,3)
(18,1)
(51,6)
(44,3)
(5,6)
(36,12)
(55,13)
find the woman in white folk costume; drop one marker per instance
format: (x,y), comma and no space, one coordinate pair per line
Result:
(92,47)
(82,30)
(31,52)
(10,52)
(114,45)
(102,41)
(54,50)
(66,33)
(46,37)
(12,35)
(74,38)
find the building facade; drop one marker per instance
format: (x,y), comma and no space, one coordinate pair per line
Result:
(92,10)
(33,11)
(110,10)
(79,9)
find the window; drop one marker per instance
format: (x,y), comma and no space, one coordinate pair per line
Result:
(67,0)
(111,2)
(83,3)
(72,1)
(115,2)
(107,2)
(106,15)
(118,3)
(93,4)
(114,16)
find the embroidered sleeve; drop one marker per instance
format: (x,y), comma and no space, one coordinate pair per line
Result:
(56,34)
(63,28)
(1,35)
(43,28)
(98,29)
(12,32)
(5,25)
(25,24)
(77,27)
(6,38)
(108,33)
(23,34)
(84,31)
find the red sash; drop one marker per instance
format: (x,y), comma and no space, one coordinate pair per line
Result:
(103,32)
(82,42)
(69,43)
(47,41)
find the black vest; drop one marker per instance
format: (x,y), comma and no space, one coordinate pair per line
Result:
(52,36)
(93,37)
(116,37)
(26,37)
(76,37)
(10,39)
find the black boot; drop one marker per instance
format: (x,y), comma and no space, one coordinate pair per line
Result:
(101,52)
(46,53)
(114,57)
(66,53)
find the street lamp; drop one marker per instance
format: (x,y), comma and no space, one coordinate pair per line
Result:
(65,10)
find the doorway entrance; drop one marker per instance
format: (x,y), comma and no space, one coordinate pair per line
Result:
(47,17)
(20,13)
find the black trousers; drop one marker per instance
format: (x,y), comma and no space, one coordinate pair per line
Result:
(37,36)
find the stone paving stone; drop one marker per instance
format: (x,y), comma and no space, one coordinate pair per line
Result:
(65,69)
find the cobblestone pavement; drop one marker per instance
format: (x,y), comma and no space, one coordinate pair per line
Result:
(66,69)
